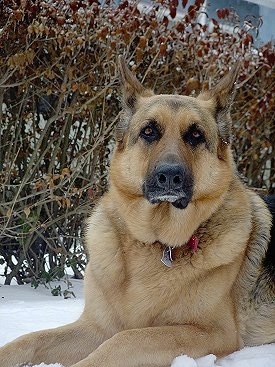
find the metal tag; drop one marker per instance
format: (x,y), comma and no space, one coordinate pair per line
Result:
(167,256)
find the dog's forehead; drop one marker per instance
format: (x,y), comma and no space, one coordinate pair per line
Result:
(172,105)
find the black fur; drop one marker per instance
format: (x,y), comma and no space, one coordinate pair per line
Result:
(269,260)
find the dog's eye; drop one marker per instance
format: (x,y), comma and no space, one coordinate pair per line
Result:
(194,136)
(150,132)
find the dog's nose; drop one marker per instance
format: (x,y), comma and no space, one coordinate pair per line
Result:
(170,176)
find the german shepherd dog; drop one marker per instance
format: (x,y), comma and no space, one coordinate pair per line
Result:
(181,256)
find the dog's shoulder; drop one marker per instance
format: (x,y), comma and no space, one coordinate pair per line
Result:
(100,227)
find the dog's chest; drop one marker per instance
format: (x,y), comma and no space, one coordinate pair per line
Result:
(153,294)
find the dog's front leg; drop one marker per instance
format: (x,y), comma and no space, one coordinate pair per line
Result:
(66,344)
(158,346)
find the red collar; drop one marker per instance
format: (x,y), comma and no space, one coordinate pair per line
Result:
(193,243)
(191,246)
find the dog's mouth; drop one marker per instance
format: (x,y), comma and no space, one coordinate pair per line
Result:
(178,200)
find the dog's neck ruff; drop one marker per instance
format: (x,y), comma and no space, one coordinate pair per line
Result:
(167,255)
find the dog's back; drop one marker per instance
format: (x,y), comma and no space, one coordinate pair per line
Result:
(269,260)
(256,283)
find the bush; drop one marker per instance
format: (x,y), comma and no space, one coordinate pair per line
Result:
(59,103)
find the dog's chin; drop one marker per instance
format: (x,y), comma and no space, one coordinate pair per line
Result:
(179,202)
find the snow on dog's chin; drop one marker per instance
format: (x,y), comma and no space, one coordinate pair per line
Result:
(178,201)
(170,198)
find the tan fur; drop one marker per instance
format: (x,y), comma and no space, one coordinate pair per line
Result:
(137,311)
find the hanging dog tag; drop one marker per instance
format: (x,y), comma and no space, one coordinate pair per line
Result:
(167,256)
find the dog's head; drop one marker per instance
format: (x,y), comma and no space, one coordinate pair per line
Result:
(173,149)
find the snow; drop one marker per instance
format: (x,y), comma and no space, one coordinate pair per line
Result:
(262,356)
(24,309)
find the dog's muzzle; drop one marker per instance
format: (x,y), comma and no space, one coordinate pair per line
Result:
(171,183)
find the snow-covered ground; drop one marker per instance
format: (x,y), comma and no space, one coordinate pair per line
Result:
(24,309)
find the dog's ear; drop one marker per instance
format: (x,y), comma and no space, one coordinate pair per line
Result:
(132,90)
(220,100)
